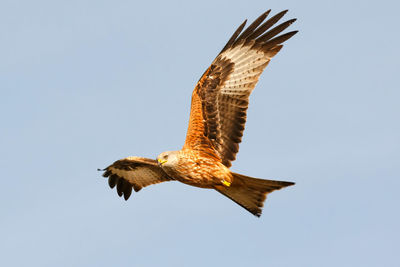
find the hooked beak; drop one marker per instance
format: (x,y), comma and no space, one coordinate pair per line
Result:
(161,162)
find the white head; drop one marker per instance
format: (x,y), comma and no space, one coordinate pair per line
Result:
(168,159)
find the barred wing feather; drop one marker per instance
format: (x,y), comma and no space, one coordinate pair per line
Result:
(134,172)
(221,97)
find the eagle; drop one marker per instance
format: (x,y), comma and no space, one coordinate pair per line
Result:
(217,120)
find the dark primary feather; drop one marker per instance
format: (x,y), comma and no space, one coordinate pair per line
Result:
(253,26)
(234,36)
(267,24)
(134,172)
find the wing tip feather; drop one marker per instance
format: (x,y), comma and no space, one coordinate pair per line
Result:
(133,173)
(256,31)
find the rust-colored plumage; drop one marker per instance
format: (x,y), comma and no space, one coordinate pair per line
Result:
(217,121)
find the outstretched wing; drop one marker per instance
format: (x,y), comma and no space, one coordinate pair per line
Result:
(134,172)
(221,97)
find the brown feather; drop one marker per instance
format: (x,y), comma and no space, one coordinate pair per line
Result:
(268,24)
(253,26)
(250,193)
(275,31)
(134,172)
(112,181)
(234,36)
(216,124)
(220,98)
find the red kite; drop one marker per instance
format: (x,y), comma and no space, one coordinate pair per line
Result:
(217,119)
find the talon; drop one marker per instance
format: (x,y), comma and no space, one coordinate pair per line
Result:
(226,183)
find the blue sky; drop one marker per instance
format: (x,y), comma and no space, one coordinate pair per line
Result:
(84,83)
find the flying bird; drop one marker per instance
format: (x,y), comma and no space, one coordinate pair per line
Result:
(217,120)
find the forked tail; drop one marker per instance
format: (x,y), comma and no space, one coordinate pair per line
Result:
(250,193)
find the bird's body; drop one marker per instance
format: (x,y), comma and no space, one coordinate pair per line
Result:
(194,169)
(217,119)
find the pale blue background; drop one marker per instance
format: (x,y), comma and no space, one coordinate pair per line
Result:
(84,83)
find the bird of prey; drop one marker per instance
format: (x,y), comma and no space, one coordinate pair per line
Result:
(216,124)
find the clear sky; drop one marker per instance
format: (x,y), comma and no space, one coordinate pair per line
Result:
(84,83)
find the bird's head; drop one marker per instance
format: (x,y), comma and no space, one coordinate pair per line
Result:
(168,158)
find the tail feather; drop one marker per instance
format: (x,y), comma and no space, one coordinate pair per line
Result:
(250,193)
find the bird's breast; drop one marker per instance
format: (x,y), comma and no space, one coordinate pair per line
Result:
(200,172)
